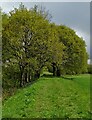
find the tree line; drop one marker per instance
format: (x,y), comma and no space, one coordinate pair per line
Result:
(31,41)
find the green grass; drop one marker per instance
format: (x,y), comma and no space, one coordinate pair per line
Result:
(51,98)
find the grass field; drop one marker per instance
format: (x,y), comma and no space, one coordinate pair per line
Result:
(51,97)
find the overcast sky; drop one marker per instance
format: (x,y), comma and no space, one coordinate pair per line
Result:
(76,15)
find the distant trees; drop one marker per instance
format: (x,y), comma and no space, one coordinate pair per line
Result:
(31,41)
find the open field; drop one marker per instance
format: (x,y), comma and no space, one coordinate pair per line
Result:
(51,97)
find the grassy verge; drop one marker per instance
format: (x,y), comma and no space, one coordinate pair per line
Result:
(51,98)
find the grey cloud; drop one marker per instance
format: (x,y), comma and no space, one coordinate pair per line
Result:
(73,14)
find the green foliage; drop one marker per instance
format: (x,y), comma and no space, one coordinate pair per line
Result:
(27,42)
(31,42)
(57,50)
(90,69)
(69,54)
(75,57)
(31,45)
(51,98)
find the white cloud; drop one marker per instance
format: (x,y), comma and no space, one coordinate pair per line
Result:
(89,61)
(85,37)
(8,6)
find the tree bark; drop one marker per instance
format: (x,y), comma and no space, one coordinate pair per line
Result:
(58,72)
(21,78)
(54,69)
(37,74)
(26,77)
(21,75)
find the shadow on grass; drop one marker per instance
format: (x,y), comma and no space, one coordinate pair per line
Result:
(51,76)
(48,75)
(68,78)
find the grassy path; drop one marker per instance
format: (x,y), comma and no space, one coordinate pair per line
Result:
(51,98)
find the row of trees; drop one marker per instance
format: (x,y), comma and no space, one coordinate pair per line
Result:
(31,41)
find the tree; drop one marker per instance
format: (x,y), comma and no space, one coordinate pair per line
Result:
(30,42)
(27,42)
(57,51)
(75,60)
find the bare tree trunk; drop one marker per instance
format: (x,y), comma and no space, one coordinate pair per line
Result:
(21,78)
(54,69)
(21,75)
(58,72)
(26,79)
(37,74)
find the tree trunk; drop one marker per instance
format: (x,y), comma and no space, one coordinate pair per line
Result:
(29,80)
(58,72)
(54,69)
(26,79)
(21,76)
(37,74)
